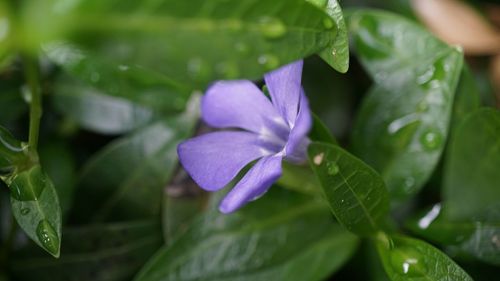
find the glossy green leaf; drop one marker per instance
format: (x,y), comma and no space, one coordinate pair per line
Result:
(36,208)
(337,54)
(95,111)
(59,163)
(299,178)
(471,177)
(404,121)
(102,252)
(200,41)
(355,192)
(479,239)
(467,98)
(408,259)
(282,236)
(130,82)
(126,178)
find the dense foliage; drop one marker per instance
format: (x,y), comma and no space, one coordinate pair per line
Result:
(402,180)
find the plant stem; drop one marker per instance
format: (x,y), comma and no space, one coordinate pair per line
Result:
(32,75)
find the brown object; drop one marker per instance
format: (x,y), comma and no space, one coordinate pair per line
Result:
(457,23)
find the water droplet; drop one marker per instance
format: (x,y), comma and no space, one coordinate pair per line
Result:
(123,67)
(402,122)
(94,77)
(426,220)
(431,140)
(269,61)
(48,237)
(318,158)
(26,93)
(328,23)
(228,69)
(28,185)
(332,168)
(426,76)
(272,27)
(334,52)
(406,261)
(25,211)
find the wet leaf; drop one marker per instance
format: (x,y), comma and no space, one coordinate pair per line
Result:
(403,123)
(411,259)
(355,192)
(36,208)
(198,42)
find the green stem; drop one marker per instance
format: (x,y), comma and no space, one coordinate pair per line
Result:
(32,74)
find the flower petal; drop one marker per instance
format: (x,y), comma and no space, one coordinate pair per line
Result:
(298,141)
(284,85)
(239,104)
(214,159)
(255,183)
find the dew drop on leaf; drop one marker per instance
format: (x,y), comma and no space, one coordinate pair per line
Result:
(408,262)
(25,211)
(332,168)
(28,185)
(272,27)
(269,61)
(431,140)
(328,23)
(47,236)
(318,158)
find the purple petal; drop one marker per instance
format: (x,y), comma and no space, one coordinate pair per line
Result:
(298,141)
(255,183)
(239,104)
(284,85)
(214,159)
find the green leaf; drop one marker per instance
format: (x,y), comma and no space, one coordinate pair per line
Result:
(337,54)
(130,82)
(126,177)
(11,150)
(404,121)
(36,208)
(299,178)
(479,239)
(409,259)
(95,111)
(470,187)
(467,98)
(355,192)
(102,252)
(58,162)
(282,236)
(201,41)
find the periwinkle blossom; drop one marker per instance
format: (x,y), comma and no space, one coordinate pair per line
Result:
(268,131)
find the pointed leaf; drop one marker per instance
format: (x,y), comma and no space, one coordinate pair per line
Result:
(36,208)
(404,120)
(355,192)
(198,42)
(408,259)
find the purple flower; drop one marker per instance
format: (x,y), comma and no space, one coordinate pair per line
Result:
(269,132)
